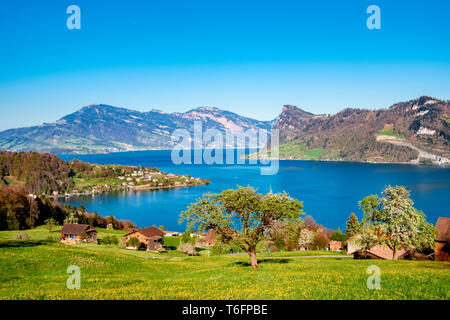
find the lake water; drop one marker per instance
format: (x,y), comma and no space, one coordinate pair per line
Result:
(330,191)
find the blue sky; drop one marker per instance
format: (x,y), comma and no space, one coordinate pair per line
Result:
(246,56)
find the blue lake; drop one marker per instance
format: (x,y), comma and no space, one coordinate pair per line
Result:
(330,191)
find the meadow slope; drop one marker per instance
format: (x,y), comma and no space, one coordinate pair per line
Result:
(37,270)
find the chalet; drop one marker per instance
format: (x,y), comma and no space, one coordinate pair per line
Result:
(75,233)
(376,252)
(442,246)
(335,245)
(150,238)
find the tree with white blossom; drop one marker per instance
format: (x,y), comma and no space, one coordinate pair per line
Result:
(306,238)
(393,221)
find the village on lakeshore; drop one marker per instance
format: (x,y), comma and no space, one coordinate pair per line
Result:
(140,179)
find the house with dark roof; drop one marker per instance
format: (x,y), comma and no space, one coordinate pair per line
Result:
(75,233)
(151,238)
(442,240)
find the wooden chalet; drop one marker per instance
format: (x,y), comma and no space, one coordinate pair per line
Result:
(75,233)
(150,237)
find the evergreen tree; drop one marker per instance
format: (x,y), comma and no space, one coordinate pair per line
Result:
(353,226)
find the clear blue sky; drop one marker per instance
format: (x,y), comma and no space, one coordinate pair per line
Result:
(246,56)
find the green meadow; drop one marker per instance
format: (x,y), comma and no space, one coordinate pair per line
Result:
(299,150)
(36,269)
(390,132)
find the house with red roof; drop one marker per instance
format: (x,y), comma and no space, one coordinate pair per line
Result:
(151,238)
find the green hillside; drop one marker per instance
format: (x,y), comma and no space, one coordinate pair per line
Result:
(37,270)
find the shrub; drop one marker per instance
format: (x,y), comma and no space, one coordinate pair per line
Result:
(110,240)
(220,248)
(187,248)
(265,246)
(133,242)
(186,237)
(53,238)
(22,236)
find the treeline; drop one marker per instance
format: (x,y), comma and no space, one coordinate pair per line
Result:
(76,214)
(298,234)
(44,173)
(39,172)
(19,211)
(286,235)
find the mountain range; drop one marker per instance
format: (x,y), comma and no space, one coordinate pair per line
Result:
(416,131)
(413,131)
(103,129)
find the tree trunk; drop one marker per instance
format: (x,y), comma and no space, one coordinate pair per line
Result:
(253,260)
(393,254)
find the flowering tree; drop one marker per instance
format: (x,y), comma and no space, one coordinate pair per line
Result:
(306,238)
(241,216)
(393,221)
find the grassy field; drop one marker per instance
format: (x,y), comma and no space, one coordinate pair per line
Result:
(388,130)
(42,233)
(88,183)
(37,270)
(299,150)
(172,241)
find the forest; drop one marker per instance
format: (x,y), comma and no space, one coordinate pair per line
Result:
(44,173)
(20,211)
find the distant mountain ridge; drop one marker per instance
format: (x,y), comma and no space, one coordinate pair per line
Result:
(413,131)
(416,131)
(103,128)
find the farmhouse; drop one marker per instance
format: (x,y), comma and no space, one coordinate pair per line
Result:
(334,245)
(442,246)
(150,238)
(205,240)
(75,233)
(376,252)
